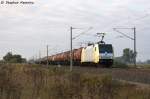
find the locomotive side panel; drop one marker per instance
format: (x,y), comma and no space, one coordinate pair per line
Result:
(87,54)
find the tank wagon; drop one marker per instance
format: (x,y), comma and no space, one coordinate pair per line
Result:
(92,55)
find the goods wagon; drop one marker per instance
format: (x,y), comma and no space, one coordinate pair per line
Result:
(95,55)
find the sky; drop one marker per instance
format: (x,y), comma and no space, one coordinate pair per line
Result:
(26,29)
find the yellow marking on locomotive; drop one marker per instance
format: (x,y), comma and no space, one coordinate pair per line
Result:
(96,53)
(100,57)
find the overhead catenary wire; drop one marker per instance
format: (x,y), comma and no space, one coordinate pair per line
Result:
(134,39)
(82,33)
(123,34)
(122,22)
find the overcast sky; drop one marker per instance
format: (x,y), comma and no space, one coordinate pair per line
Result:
(26,29)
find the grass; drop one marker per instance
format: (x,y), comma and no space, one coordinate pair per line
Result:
(19,81)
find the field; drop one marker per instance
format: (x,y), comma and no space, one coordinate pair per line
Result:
(23,81)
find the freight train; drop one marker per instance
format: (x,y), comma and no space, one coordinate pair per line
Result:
(99,54)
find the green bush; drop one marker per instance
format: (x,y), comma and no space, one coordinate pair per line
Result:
(119,64)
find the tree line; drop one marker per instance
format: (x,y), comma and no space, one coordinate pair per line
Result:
(126,58)
(13,58)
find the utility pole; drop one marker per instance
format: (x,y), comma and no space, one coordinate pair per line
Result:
(134,46)
(39,57)
(132,38)
(71,39)
(71,61)
(47,54)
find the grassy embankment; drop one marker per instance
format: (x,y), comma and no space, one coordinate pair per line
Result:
(36,82)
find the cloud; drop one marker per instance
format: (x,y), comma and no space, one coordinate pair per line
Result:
(28,28)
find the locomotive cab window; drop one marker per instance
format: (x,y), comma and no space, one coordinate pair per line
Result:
(105,48)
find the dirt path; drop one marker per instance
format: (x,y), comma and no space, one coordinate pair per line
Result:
(139,85)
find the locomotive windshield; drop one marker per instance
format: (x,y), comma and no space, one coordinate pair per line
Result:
(105,48)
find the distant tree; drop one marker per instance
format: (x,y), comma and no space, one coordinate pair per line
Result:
(148,61)
(17,58)
(10,58)
(24,60)
(126,58)
(128,55)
